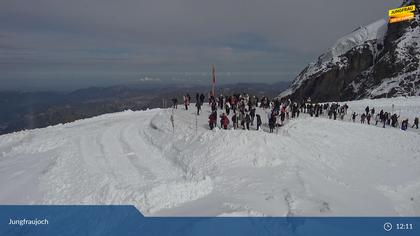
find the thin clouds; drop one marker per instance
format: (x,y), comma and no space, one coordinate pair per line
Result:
(114,38)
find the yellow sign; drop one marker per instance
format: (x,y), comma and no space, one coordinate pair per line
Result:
(401,11)
(405,17)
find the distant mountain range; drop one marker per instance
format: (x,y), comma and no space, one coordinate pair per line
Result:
(378,60)
(29,110)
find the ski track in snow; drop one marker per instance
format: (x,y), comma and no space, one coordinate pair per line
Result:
(311,167)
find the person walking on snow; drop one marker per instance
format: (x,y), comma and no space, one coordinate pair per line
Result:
(198,105)
(224,121)
(227,107)
(242,119)
(186,101)
(252,114)
(259,122)
(235,121)
(212,120)
(282,115)
(346,107)
(353,116)
(221,101)
(384,119)
(247,120)
(416,123)
(213,106)
(175,103)
(394,120)
(362,118)
(202,98)
(404,124)
(272,123)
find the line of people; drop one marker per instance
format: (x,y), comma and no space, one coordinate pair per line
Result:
(243,110)
(384,118)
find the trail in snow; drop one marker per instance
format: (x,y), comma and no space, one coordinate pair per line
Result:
(313,166)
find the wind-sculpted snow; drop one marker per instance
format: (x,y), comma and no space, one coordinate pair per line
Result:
(311,166)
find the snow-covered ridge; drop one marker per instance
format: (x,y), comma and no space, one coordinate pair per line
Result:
(313,166)
(375,31)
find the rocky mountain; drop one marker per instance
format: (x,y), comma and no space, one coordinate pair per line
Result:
(377,60)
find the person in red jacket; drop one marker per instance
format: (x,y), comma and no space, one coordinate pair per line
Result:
(224,121)
(212,120)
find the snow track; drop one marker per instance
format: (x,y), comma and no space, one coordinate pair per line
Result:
(313,166)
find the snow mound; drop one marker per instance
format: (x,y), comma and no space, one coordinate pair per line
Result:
(170,195)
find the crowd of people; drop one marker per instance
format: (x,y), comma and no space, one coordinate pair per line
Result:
(241,108)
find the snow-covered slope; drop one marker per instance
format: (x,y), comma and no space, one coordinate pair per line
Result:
(375,31)
(312,166)
(378,60)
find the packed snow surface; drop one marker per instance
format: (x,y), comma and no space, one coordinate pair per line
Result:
(309,167)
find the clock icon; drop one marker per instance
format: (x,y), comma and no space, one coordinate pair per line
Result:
(387,227)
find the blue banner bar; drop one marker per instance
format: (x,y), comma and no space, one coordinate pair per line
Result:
(127,220)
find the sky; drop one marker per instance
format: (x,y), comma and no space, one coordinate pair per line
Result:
(65,45)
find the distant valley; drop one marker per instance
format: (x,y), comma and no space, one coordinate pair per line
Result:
(29,110)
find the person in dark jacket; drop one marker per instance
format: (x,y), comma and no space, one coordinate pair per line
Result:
(368,117)
(175,103)
(362,118)
(221,101)
(384,119)
(202,98)
(272,123)
(394,120)
(252,114)
(282,115)
(198,105)
(213,105)
(404,124)
(416,123)
(259,122)
(235,121)
(247,120)
(353,116)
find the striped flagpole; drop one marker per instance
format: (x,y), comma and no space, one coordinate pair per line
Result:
(213,80)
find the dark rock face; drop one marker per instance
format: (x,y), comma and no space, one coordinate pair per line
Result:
(333,83)
(375,68)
